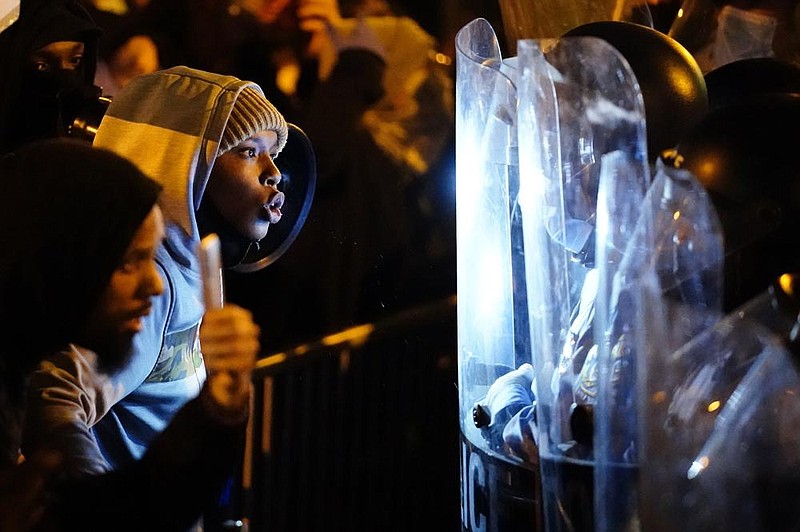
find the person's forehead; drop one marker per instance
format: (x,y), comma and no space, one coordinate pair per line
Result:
(59,48)
(155,222)
(150,231)
(266,137)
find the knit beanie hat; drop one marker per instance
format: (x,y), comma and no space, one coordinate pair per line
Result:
(252,113)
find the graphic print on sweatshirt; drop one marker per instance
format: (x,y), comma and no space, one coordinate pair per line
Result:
(180,356)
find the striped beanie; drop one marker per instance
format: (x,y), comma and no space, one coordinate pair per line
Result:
(252,113)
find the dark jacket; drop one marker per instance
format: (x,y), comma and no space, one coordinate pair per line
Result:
(28,105)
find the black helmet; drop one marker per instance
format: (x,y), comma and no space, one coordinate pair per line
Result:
(672,85)
(745,158)
(748,77)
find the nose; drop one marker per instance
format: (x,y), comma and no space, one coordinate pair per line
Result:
(270,175)
(152,284)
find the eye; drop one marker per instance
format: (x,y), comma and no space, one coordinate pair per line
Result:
(41,66)
(129,266)
(248,153)
(136,262)
(75,61)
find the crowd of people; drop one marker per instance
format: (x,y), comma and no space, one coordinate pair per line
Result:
(131,130)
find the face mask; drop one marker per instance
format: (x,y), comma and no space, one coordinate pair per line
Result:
(47,85)
(743,35)
(39,109)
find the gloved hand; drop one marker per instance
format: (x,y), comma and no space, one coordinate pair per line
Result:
(520,435)
(507,396)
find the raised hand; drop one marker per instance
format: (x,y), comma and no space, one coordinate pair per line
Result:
(230,345)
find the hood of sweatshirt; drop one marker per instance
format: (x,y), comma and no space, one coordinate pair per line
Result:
(170,124)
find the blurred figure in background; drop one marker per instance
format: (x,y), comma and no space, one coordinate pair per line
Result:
(220,36)
(127,48)
(663,13)
(377,103)
(718,32)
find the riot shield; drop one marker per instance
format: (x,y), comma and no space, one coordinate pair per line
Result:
(497,487)
(678,240)
(584,172)
(719,33)
(551,151)
(720,445)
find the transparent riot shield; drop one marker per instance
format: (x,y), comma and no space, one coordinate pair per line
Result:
(547,368)
(583,174)
(498,490)
(720,446)
(719,33)
(678,238)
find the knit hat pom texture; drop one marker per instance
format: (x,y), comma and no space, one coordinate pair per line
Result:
(252,113)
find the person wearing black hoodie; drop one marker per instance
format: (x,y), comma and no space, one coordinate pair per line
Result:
(78,272)
(49,58)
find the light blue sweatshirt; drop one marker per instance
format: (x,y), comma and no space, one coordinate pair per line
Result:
(169,124)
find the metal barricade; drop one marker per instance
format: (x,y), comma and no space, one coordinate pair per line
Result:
(359,430)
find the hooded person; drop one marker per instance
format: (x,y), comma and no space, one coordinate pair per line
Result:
(210,141)
(87,244)
(84,279)
(50,50)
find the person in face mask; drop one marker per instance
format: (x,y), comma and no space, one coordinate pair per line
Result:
(718,32)
(49,52)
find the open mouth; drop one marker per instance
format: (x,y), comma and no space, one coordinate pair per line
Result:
(273,207)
